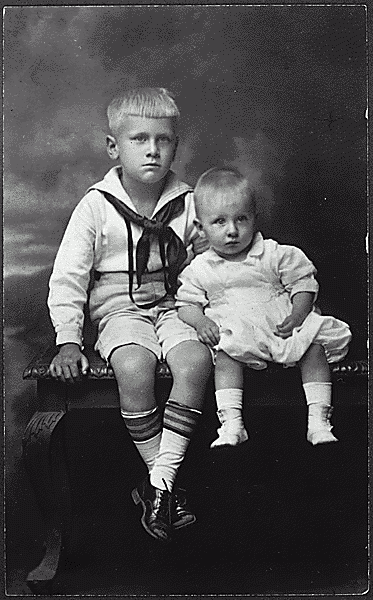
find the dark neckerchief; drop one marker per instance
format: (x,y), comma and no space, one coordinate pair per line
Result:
(171,248)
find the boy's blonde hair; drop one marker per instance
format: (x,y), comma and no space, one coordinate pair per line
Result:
(220,179)
(142,102)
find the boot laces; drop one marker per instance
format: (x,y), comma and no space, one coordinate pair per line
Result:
(163,503)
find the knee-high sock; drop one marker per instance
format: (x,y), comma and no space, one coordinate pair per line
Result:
(179,423)
(145,429)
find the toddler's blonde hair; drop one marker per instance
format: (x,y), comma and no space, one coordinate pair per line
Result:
(220,179)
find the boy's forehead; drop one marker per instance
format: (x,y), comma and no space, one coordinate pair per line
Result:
(143,124)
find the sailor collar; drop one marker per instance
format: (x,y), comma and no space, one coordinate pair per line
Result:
(111,183)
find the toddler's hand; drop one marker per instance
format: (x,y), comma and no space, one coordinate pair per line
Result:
(69,364)
(285,329)
(208,332)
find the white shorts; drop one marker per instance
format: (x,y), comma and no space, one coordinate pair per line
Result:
(121,322)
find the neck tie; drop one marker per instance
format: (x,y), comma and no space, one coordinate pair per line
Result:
(171,248)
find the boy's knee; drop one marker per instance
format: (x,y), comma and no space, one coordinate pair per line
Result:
(190,360)
(133,363)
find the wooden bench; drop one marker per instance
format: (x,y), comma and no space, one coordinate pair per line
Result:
(43,441)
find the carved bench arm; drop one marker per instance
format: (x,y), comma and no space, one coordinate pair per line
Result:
(38,367)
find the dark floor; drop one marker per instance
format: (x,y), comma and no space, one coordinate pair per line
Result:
(275,515)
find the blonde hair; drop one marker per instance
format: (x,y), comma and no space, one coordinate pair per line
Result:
(142,102)
(219,179)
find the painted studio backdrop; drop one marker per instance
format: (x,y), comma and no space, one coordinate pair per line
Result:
(279,92)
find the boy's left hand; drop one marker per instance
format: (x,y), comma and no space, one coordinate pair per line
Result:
(200,245)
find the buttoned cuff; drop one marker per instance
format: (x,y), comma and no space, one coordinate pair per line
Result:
(69,336)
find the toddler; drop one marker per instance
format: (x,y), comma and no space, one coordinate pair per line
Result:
(253,301)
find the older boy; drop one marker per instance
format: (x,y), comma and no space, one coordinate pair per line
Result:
(139,220)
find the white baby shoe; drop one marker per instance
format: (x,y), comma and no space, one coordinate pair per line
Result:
(231,433)
(319,427)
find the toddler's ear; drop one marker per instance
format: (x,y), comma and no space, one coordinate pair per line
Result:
(111,147)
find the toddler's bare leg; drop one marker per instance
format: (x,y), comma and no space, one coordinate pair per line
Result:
(229,396)
(228,372)
(318,390)
(314,366)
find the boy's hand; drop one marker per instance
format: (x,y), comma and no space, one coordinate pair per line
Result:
(285,329)
(69,364)
(208,331)
(200,245)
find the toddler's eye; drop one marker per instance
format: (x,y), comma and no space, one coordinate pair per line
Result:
(242,218)
(139,138)
(219,222)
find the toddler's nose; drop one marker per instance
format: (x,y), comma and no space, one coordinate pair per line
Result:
(232,230)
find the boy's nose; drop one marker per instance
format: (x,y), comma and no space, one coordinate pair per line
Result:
(153,149)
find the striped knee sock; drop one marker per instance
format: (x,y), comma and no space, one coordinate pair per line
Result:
(145,429)
(179,422)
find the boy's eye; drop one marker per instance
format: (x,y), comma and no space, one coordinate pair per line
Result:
(242,218)
(165,139)
(139,138)
(219,221)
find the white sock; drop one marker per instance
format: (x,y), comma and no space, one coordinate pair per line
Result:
(318,397)
(148,448)
(318,392)
(229,404)
(171,454)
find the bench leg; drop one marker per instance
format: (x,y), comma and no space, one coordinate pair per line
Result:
(44,458)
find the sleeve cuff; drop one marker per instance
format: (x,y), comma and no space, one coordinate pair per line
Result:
(305,286)
(69,337)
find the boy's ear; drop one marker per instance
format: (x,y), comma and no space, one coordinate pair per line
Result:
(111,147)
(175,148)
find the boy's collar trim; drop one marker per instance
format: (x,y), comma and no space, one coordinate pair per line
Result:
(255,250)
(111,184)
